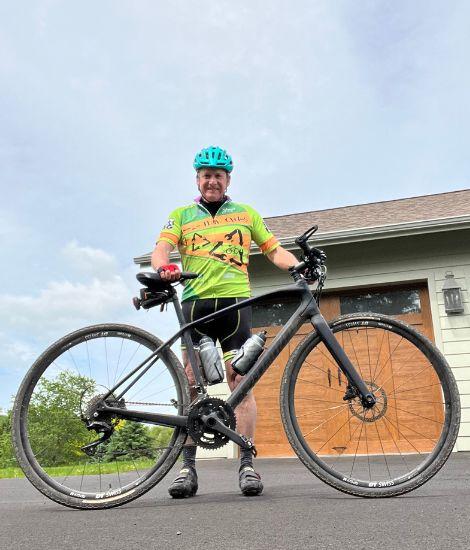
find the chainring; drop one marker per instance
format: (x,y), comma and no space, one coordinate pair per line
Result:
(202,435)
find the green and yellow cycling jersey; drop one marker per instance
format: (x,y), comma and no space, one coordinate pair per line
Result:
(217,248)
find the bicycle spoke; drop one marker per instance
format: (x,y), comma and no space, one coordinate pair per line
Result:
(321,385)
(318,368)
(408,379)
(107,365)
(357,447)
(383,452)
(388,359)
(118,361)
(321,410)
(355,354)
(418,415)
(323,423)
(416,388)
(378,355)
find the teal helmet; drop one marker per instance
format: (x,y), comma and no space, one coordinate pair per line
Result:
(213,157)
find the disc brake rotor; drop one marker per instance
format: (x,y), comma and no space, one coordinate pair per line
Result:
(374,413)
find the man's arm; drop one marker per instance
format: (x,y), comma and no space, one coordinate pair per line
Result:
(161,256)
(282,258)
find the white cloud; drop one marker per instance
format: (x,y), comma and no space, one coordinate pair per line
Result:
(65,305)
(90,261)
(15,353)
(99,294)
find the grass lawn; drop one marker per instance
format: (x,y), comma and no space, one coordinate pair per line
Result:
(85,469)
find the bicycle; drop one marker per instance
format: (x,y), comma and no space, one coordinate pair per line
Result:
(377,421)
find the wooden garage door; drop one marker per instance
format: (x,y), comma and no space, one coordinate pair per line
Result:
(410,304)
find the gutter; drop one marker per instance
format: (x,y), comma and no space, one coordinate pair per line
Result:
(403,229)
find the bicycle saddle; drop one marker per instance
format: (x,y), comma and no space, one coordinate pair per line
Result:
(152,281)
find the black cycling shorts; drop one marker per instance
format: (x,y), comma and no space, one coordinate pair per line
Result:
(232,330)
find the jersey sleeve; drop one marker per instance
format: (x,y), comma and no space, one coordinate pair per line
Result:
(261,234)
(171,231)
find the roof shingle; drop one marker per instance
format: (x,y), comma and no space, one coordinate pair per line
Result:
(376,214)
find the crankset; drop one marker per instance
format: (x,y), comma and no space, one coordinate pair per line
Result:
(202,434)
(211,424)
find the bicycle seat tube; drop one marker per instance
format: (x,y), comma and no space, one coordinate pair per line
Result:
(189,345)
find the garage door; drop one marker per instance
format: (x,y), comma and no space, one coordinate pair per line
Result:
(410,304)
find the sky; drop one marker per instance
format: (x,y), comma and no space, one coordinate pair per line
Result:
(103,106)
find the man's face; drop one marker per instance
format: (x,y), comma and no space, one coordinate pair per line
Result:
(212,183)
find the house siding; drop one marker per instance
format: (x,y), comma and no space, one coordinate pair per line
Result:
(424,258)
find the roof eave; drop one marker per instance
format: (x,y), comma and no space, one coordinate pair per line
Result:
(405,229)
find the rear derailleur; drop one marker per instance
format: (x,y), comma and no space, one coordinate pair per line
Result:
(100,423)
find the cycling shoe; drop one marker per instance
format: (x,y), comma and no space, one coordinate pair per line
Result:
(185,485)
(250,482)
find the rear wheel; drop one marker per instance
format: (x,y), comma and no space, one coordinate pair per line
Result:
(59,392)
(391,448)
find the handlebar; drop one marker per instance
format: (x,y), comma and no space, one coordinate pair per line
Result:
(313,259)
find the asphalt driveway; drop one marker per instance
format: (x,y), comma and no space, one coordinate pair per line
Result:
(295,511)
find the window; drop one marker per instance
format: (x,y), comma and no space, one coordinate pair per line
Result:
(273,313)
(392,302)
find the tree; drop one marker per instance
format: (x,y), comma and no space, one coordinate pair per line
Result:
(7,458)
(130,441)
(161,436)
(55,428)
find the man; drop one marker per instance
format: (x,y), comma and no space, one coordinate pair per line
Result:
(214,235)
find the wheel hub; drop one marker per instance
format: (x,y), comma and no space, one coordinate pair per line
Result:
(374,413)
(97,420)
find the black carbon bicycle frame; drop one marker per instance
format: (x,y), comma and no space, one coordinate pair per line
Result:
(307,310)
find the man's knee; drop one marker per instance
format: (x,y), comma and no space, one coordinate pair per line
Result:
(188,369)
(237,379)
(189,374)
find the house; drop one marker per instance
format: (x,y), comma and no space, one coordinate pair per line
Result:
(391,257)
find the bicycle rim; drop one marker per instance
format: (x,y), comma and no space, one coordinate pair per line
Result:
(50,430)
(400,442)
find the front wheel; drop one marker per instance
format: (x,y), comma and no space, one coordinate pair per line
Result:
(51,426)
(391,448)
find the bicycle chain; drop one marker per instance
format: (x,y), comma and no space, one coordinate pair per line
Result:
(174,404)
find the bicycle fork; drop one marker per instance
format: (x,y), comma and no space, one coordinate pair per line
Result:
(355,381)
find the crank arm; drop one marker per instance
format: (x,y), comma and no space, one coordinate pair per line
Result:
(213,422)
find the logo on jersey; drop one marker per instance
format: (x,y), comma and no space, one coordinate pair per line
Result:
(169,224)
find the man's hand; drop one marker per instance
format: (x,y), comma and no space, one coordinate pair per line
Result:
(169,272)
(161,262)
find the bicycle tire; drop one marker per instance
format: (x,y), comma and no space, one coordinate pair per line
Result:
(414,453)
(148,464)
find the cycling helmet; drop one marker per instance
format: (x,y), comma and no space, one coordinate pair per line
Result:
(213,157)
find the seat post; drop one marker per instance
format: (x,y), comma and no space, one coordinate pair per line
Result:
(189,344)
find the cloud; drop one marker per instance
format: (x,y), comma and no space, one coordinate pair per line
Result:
(64,304)
(99,294)
(90,261)
(15,353)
